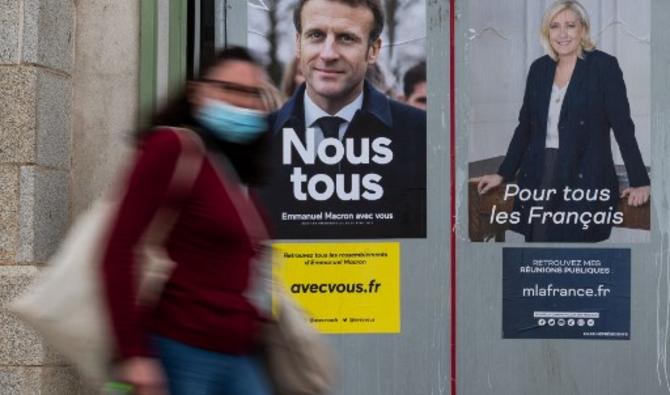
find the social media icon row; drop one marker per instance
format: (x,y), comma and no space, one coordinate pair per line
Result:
(563,322)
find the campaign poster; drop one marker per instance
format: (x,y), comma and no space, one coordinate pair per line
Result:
(343,287)
(348,125)
(566,293)
(558,141)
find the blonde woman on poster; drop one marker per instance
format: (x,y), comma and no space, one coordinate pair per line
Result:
(560,152)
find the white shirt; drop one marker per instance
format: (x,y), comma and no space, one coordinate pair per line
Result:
(314,112)
(554,114)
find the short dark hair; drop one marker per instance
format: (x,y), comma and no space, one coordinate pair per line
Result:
(229,53)
(373,5)
(178,110)
(414,76)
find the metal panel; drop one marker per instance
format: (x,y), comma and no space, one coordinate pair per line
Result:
(488,364)
(417,360)
(656,302)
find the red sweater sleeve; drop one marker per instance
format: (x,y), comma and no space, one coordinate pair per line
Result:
(147,190)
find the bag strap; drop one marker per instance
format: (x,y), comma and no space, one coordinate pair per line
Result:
(185,173)
(157,271)
(189,162)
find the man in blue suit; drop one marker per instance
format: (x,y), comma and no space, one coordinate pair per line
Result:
(349,162)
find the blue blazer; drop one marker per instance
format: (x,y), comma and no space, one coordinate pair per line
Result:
(403,180)
(594,104)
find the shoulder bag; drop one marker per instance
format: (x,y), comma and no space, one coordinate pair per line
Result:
(65,304)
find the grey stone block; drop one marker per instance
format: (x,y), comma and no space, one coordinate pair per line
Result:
(19,345)
(9,31)
(35,107)
(9,198)
(54,103)
(47,33)
(43,212)
(37,381)
(14,280)
(21,349)
(17,114)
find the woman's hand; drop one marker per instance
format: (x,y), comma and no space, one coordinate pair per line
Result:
(144,374)
(636,196)
(488,182)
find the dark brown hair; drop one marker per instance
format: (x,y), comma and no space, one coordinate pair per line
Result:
(373,5)
(414,76)
(248,159)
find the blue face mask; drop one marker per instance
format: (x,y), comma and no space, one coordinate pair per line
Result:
(231,123)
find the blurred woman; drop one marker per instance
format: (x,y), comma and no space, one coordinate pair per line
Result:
(574,95)
(199,337)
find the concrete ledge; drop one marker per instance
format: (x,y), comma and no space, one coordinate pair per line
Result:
(22,351)
(20,345)
(38,381)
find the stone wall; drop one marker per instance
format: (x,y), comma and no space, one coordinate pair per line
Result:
(68,96)
(36,62)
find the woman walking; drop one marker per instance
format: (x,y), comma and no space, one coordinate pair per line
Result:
(198,338)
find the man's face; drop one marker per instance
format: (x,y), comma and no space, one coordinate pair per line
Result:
(418,97)
(334,51)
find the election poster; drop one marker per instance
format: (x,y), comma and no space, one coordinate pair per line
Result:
(343,287)
(348,125)
(556,116)
(566,293)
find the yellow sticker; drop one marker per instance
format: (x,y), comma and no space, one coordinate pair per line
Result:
(343,287)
